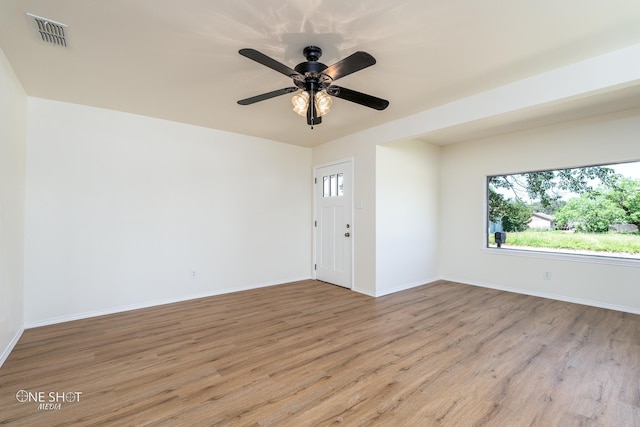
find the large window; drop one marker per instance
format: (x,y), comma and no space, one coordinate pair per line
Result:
(592,210)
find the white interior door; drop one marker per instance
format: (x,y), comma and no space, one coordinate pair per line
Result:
(333,220)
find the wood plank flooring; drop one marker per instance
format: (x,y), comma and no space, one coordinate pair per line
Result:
(310,353)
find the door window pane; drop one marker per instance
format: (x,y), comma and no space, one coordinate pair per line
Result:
(325,186)
(334,185)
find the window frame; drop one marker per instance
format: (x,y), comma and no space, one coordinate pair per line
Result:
(549,253)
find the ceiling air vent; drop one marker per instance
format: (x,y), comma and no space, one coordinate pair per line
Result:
(50,31)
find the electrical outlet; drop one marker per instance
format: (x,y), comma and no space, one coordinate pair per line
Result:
(546,275)
(193,274)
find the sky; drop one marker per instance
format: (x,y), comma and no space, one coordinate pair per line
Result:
(631,170)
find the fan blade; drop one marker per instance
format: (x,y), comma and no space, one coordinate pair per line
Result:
(350,64)
(358,97)
(263,59)
(267,95)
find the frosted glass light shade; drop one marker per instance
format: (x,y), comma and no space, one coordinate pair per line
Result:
(300,103)
(323,103)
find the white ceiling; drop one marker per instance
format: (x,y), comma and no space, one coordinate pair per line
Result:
(178,60)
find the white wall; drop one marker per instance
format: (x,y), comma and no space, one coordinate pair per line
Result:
(121,209)
(364,225)
(411,164)
(407,220)
(465,166)
(13,109)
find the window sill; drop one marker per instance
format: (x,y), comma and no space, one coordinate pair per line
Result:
(564,256)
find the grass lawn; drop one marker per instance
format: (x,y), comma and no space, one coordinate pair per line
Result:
(600,242)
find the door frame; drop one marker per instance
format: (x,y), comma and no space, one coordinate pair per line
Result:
(350,161)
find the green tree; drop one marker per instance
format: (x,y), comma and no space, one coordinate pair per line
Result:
(517,216)
(625,193)
(514,214)
(550,209)
(592,212)
(497,205)
(548,186)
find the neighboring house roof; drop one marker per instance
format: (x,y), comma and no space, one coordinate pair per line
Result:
(543,216)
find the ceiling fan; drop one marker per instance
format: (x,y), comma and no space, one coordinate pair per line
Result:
(316,82)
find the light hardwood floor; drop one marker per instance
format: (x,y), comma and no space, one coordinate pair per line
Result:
(310,353)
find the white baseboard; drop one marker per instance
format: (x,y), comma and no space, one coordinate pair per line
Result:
(5,353)
(153,303)
(364,291)
(556,297)
(406,286)
(120,309)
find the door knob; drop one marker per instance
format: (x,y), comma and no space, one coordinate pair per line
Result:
(347,234)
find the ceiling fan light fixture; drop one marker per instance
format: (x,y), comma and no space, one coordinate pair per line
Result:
(315,81)
(300,103)
(323,103)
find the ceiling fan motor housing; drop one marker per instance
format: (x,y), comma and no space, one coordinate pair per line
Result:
(311,76)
